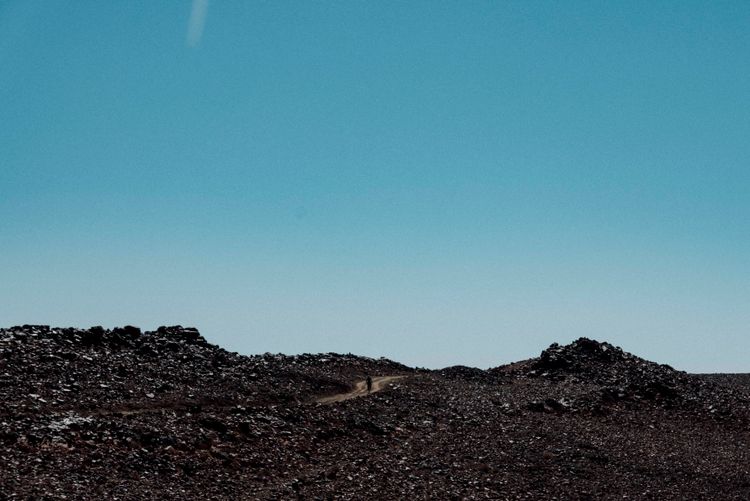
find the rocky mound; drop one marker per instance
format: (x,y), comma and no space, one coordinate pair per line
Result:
(591,358)
(43,368)
(620,377)
(466,373)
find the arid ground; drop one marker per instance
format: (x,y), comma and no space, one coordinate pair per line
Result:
(125,414)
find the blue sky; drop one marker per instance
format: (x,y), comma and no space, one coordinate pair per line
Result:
(436,182)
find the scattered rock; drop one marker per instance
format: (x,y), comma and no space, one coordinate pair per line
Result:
(103,414)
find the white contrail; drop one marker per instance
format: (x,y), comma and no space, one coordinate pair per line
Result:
(197,22)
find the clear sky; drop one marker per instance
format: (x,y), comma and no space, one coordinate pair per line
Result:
(437,182)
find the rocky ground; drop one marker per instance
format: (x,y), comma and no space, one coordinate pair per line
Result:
(125,414)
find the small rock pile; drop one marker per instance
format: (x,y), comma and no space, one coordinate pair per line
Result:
(467,374)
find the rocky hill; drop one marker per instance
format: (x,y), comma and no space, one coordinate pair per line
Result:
(125,414)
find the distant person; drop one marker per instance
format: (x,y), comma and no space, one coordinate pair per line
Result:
(369,383)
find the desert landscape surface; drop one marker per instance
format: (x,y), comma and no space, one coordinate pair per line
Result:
(125,414)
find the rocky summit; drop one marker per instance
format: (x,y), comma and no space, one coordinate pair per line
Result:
(124,414)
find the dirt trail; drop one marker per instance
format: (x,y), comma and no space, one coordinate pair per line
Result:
(360,389)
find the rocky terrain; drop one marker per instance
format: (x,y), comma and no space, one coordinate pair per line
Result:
(125,414)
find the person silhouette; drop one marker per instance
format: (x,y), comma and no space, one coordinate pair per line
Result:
(369,383)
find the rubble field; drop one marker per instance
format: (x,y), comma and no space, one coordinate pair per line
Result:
(124,414)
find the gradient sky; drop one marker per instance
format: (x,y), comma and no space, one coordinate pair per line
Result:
(437,182)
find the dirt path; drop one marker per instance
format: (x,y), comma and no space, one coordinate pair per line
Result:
(360,389)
